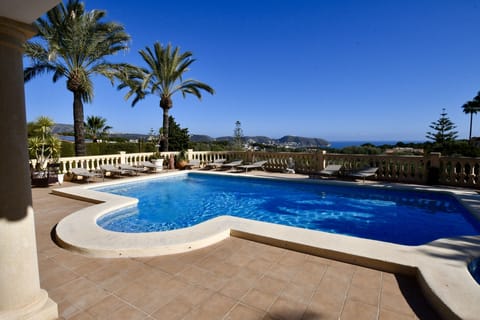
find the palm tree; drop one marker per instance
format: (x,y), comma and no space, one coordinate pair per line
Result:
(472,107)
(97,127)
(163,77)
(74,44)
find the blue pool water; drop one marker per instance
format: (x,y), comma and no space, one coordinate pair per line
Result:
(474,268)
(403,217)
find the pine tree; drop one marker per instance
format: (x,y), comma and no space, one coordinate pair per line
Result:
(443,133)
(238,136)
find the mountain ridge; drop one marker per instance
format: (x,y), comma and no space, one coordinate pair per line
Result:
(288,140)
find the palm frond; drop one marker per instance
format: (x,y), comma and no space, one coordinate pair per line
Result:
(191,86)
(60,72)
(139,95)
(77,40)
(37,69)
(35,51)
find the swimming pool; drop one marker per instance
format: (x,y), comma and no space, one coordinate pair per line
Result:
(396,216)
(474,268)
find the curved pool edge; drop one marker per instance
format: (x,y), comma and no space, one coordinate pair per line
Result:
(440,266)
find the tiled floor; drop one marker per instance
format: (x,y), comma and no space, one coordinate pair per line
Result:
(234,279)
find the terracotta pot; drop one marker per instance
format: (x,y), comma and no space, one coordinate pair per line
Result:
(181,164)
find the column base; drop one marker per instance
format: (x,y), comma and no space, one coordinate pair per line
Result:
(43,308)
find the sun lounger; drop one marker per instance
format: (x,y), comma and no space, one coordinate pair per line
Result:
(255,165)
(148,165)
(215,164)
(231,165)
(331,170)
(195,163)
(132,169)
(84,173)
(112,170)
(364,173)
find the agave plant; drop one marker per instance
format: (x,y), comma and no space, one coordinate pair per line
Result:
(44,146)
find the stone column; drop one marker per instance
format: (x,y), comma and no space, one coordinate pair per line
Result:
(433,173)
(321,160)
(123,157)
(249,156)
(20,293)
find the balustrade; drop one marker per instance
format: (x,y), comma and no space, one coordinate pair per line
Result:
(433,168)
(207,156)
(462,172)
(88,162)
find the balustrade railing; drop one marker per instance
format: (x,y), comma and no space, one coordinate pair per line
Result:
(431,169)
(407,169)
(209,156)
(463,172)
(94,162)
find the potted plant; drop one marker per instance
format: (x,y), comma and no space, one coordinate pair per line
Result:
(44,151)
(44,148)
(181,160)
(157,160)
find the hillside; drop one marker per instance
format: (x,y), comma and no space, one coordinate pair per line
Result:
(308,142)
(292,141)
(62,128)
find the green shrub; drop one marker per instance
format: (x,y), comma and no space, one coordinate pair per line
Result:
(67,149)
(458,148)
(95,149)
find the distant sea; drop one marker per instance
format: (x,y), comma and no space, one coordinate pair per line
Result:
(333,144)
(343,144)
(71,139)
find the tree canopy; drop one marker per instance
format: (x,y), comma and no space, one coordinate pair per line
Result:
(73,43)
(162,77)
(472,107)
(179,137)
(96,127)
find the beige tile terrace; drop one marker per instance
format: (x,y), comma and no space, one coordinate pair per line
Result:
(234,279)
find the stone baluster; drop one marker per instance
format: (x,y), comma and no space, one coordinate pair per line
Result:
(63,167)
(122,157)
(189,154)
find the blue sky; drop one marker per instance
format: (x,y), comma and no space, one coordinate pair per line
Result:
(338,70)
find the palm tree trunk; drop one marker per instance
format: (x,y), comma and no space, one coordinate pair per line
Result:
(78,127)
(470,134)
(165,130)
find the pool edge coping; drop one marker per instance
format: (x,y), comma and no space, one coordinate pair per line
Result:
(440,266)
